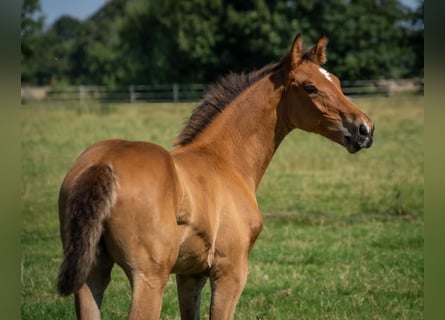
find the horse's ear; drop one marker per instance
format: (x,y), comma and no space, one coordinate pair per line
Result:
(318,53)
(297,50)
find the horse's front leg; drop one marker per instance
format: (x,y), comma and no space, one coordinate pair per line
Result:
(227,280)
(189,295)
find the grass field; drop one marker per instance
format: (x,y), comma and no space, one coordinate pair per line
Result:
(343,235)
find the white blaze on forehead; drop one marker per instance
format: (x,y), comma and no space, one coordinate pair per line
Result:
(325,73)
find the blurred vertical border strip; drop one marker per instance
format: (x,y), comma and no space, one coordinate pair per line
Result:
(10,159)
(434,162)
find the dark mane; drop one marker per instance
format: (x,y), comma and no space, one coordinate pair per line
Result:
(217,97)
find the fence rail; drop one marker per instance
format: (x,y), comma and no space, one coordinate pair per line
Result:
(191,92)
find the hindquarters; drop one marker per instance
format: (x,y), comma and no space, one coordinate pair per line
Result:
(118,205)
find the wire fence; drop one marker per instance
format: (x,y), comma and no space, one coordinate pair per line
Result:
(192,92)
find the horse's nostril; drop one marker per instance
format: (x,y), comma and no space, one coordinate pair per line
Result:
(363,130)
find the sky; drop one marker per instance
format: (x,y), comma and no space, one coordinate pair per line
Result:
(82,9)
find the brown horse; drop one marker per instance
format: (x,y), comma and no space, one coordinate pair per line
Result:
(192,210)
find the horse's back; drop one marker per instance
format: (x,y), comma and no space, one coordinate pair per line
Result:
(134,164)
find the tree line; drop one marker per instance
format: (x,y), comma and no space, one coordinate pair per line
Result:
(168,41)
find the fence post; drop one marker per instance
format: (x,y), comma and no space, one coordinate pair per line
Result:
(25,94)
(81,93)
(132,93)
(390,88)
(175,92)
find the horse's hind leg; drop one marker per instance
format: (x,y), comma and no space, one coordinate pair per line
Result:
(147,292)
(189,294)
(88,299)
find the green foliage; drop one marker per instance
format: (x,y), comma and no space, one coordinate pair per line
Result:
(377,47)
(31,25)
(31,33)
(165,41)
(342,237)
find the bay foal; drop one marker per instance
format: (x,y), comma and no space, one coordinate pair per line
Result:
(192,210)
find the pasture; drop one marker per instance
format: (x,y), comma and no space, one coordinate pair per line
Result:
(342,237)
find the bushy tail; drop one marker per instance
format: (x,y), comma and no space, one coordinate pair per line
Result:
(88,206)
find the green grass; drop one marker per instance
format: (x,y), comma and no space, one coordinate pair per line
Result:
(343,234)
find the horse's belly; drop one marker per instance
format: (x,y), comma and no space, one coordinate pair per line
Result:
(195,256)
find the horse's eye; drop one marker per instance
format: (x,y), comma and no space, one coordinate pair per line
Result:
(310,89)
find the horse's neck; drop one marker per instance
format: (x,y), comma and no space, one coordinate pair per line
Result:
(246,134)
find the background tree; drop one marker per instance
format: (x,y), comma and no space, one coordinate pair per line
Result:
(31,29)
(416,39)
(376,48)
(54,50)
(165,41)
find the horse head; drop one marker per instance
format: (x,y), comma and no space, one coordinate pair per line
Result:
(314,100)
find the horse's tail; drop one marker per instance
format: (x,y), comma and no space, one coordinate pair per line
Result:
(88,206)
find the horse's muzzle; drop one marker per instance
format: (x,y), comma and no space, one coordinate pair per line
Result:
(361,138)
